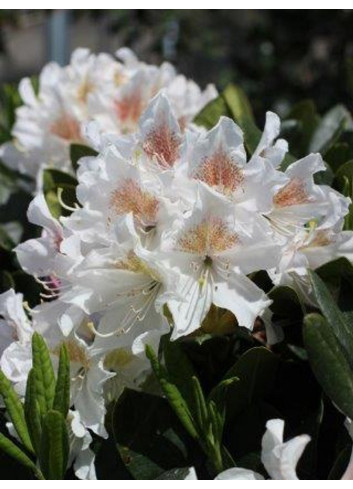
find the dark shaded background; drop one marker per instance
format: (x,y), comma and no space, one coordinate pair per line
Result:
(278,56)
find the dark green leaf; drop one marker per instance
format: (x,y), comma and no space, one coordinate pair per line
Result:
(329,362)
(337,155)
(54,182)
(329,129)
(256,371)
(6,242)
(305,115)
(172,393)
(62,388)
(341,328)
(210,114)
(32,411)
(78,151)
(54,450)
(177,474)
(218,393)
(201,410)
(340,464)
(6,281)
(13,451)
(148,435)
(179,369)
(241,111)
(15,410)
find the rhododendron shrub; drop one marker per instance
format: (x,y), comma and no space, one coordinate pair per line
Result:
(176,281)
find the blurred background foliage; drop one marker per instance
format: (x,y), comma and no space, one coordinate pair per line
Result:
(278,56)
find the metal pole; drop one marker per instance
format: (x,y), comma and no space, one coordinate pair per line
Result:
(58,36)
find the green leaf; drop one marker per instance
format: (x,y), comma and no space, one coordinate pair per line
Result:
(329,129)
(256,370)
(177,474)
(211,113)
(337,155)
(32,411)
(329,363)
(54,450)
(54,182)
(13,451)
(180,407)
(341,328)
(334,272)
(78,151)
(238,102)
(6,243)
(179,369)
(232,103)
(62,388)
(241,111)
(15,410)
(201,409)
(173,395)
(344,183)
(286,301)
(304,115)
(6,281)
(148,435)
(43,374)
(345,171)
(219,392)
(341,464)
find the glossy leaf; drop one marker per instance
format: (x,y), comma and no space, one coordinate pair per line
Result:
(210,114)
(54,182)
(329,129)
(241,111)
(148,434)
(186,473)
(341,328)
(329,362)
(78,151)
(256,370)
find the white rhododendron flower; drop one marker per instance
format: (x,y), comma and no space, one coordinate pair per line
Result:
(279,458)
(15,339)
(91,87)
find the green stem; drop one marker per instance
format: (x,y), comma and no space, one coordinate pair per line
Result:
(39,474)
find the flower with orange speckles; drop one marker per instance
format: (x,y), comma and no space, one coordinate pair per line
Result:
(214,249)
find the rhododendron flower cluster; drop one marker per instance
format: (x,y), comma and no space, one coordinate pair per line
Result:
(171,222)
(91,87)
